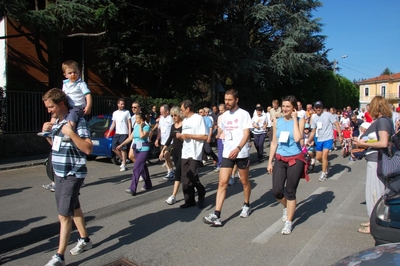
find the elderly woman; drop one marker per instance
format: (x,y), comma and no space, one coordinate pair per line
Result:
(374,188)
(176,150)
(141,150)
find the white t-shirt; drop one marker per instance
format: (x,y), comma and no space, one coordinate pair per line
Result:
(268,115)
(259,121)
(193,148)
(233,124)
(344,121)
(76,92)
(121,118)
(301,114)
(164,125)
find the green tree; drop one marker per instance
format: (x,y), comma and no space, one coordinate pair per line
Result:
(387,71)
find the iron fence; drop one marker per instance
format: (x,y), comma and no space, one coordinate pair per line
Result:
(24,112)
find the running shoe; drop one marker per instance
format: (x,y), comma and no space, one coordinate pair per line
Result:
(323,177)
(49,186)
(171,200)
(231,181)
(246,210)
(123,169)
(81,246)
(170,176)
(44,134)
(217,169)
(287,228)
(56,261)
(212,219)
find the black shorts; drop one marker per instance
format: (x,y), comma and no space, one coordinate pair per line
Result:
(242,163)
(118,139)
(67,194)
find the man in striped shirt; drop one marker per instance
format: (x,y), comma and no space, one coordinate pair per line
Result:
(69,164)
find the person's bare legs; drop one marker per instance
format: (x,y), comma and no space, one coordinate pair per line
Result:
(79,221)
(65,233)
(244,178)
(168,161)
(224,175)
(176,188)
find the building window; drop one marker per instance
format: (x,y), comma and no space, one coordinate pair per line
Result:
(366,91)
(383,91)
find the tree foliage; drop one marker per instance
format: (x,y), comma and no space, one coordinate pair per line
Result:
(183,49)
(387,71)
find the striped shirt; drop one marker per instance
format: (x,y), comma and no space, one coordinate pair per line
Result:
(69,160)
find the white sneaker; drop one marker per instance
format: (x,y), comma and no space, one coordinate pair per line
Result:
(287,228)
(123,169)
(322,177)
(141,179)
(231,181)
(245,212)
(171,200)
(212,219)
(121,165)
(81,246)
(284,214)
(56,261)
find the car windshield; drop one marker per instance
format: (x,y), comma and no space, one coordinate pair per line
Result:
(99,124)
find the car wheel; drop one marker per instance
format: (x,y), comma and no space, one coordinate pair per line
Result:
(115,159)
(90,157)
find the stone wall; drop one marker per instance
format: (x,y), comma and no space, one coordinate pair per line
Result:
(15,145)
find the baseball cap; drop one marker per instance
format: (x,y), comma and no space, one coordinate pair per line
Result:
(318,104)
(307,125)
(398,109)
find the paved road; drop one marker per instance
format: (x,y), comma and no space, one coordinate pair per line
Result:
(147,231)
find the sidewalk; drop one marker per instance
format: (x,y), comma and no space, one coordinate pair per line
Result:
(23,161)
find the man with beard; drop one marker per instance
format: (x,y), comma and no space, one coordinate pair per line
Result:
(236,124)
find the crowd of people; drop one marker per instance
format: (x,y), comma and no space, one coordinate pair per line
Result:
(297,139)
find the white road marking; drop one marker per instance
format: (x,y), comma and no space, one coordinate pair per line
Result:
(275,227)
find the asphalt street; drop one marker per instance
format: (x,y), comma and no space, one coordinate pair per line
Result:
(147,231)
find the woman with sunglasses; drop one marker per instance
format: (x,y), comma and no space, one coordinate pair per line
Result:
(175,149)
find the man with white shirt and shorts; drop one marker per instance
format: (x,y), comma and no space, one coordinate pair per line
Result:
(122,124)
(236,125)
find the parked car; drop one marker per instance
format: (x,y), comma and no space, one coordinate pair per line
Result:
(385,217)
(99,126)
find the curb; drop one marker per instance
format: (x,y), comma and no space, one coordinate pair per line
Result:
(20,165)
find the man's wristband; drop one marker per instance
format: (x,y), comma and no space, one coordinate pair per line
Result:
(240,148)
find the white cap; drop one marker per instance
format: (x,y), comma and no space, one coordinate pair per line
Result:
(365,125)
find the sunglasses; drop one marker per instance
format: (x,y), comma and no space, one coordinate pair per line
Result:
(134,107)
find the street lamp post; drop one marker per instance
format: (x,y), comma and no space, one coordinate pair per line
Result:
(335,62)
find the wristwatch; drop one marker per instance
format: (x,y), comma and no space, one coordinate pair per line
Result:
(240,148)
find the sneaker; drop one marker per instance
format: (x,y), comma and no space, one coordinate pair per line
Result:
(56,261)
(123,169)
(231,181)
(81,246)
(204,162)
(245,211)
(322,177)
(170,176)
(212,219)
(284,215)
(217,169)
(287,228)
(122,165)
(53,189)
(171,200)
(141,179)
(49,186)
(44,134)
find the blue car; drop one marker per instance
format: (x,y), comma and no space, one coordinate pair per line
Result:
(99,126)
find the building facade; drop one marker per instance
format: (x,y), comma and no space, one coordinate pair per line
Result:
(387,86)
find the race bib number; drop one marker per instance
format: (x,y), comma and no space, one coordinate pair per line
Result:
(284,137)
(319,125)
(56,143)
